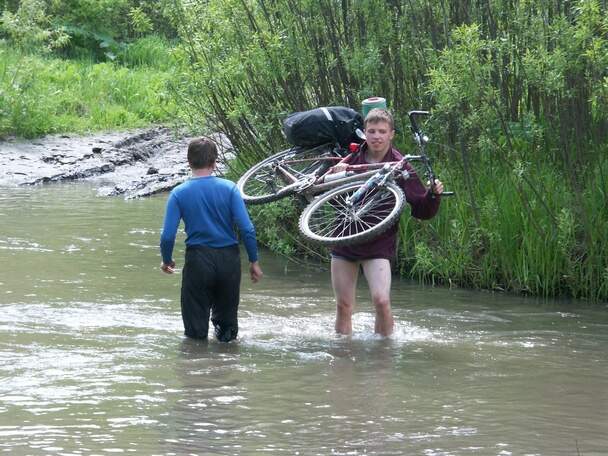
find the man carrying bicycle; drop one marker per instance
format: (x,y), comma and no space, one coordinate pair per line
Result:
(375,256)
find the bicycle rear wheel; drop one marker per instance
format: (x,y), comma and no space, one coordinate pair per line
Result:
(263,183)
(330,220)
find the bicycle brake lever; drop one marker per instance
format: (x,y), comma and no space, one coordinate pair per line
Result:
(420,138)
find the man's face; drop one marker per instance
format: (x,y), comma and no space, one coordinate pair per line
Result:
(379,136)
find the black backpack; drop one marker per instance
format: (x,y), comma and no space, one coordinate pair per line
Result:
(318,126)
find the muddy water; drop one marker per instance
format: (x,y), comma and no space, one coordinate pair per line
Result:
(92,360)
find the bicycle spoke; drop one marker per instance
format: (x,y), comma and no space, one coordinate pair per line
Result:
(263,184)
(272,179)
(336,219)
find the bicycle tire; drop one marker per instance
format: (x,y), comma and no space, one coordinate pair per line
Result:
(260,184)
(325,221)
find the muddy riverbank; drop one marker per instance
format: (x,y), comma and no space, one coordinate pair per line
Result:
(130,164)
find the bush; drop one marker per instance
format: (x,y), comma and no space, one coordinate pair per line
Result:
(517,92)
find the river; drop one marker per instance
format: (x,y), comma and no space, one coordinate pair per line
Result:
(93,360)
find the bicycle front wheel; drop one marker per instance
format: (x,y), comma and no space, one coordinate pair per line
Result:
(331,220)
(264,183)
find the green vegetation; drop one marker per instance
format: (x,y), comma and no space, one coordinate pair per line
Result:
(522,242)
(56,76)
(41,95)
(518,91)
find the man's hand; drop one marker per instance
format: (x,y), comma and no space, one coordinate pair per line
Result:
(255,272)
(437,187)
(168,268)
(338,168)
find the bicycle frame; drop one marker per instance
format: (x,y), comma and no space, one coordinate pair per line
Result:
(357,208)
(308,175)
(318,183)
(313,184)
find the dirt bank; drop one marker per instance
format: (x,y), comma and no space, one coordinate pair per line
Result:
(130,164)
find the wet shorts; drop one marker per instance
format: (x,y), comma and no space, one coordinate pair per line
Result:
(356,260)
(340,257)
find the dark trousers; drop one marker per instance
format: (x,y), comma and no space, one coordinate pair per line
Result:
(210,285)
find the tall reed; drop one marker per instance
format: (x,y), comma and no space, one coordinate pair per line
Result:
(518,93)
(513,248)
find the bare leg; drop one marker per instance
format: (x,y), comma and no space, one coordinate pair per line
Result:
(378,275)
(344,281)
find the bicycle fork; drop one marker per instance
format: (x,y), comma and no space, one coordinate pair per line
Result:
(354,212)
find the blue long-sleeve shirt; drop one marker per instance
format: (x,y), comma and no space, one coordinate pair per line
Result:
(210,207)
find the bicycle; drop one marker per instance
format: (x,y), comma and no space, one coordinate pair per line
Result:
(349,207)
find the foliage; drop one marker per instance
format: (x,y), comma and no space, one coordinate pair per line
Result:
(150,51)
(141,21)
(518,92)
(511,248)
(40,95)
(29,28)
(98,30)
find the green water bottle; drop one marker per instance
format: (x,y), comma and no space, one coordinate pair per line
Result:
(370,103)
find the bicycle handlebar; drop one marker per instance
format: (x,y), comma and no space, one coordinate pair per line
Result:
(412,116)
(421,140)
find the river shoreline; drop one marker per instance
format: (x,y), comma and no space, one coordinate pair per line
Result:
(131,164)
(140,163)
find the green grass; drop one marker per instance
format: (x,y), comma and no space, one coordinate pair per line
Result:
(41,95)
(148,52)
(552,245)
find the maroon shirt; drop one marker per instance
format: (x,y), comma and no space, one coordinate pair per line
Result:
(423,206)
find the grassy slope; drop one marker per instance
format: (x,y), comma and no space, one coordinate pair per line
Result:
(41,95)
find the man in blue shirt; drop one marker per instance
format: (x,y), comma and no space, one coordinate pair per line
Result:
(210,207)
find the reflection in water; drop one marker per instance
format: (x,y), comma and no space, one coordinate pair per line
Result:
(93,361)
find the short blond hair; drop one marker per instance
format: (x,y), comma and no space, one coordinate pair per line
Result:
(379,115)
